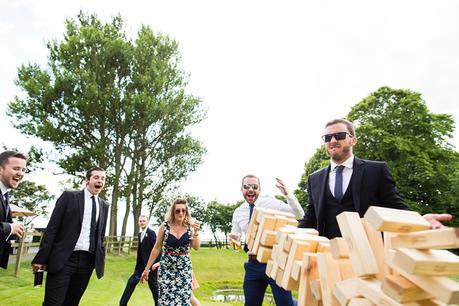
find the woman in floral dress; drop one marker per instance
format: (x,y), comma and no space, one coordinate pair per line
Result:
(175,236)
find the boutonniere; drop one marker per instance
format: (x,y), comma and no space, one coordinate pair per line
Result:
(146,234)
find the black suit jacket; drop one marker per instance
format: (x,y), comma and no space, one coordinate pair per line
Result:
(5,229)
(372,185)
(144,250)
(63,230)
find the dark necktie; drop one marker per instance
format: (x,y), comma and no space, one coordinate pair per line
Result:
(339,182)
(7,203)
(251,206)
(92,235)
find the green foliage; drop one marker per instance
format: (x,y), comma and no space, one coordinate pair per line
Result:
(396,126)
(218,218)
(119,103)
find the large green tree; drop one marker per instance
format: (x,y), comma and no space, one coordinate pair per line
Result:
(121,104)
(396,126)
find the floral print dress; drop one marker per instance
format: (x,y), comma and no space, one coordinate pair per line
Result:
(174,276)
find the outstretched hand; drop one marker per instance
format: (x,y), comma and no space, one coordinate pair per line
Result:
(436,219)
(280,184)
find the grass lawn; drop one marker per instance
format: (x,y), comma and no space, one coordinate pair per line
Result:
(214,269)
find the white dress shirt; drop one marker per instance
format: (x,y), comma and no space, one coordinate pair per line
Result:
(83,240)
(347,173)
(240,220)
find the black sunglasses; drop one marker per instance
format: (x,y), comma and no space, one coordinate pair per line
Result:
(248,186)
(338,136)
(178,210)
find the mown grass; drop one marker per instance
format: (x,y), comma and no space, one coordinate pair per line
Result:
(214,269)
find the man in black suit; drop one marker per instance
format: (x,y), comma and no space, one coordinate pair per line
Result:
(350,184)
(147,239)
(12,170)
(72,244)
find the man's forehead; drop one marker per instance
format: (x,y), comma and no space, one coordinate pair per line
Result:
(251,180)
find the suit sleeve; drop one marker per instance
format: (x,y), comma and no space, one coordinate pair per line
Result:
(309,220)
(154,237)
(5,230)
(52,229)
(388,190)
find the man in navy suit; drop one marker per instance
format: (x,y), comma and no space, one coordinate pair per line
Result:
(72,245)
(12,171)
(350,184)
(147,239)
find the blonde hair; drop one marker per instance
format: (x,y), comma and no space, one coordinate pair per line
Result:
(170,215)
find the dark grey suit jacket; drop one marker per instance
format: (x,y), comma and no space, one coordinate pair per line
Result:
(5,229)
(372,185)
(63,230)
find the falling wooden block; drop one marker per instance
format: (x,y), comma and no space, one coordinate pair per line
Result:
(360,252)
(252,228)
(267,223)
(385,219)
(264,254)
(345,290)
(345,268)
(329,275)
(338,248)
(445,238)
(315,289)
(296,269)
(371,289)
(274,212)
(360,302)
(282,260)
(268,238)
(296,253)
(292,221)
(269,267)
(441,287)
(402,290)
(377,245)
(313,241)
(427,262)
(308,272)
(323,247)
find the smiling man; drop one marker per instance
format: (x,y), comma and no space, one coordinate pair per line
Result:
(12,171)
(350,184)
(72,245)
(255,280)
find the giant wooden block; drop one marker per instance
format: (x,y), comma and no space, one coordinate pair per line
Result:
(329,275)
(274,212)
(441,287)
(267,223)
(402,290)
(338,248)
(445,238)
(377,245)
(360,302)
(360,252)
(345,290)
(268,238)
(345,268)
(296,253)
(395,220)
(427,262)
(296,269)
(313,240)
(371,289)
(269,267)
(315,289)
(282,260)
(264,254)
(251,229)
(308,272)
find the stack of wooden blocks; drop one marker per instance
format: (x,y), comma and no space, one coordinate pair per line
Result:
(409,267)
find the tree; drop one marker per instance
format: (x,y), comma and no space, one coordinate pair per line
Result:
(218,218)
(107,100)
(396,126)
(33,197)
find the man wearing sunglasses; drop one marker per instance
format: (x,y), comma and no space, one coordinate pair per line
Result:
(255,280)
(350,184)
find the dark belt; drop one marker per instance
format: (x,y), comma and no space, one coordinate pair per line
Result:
(252,257)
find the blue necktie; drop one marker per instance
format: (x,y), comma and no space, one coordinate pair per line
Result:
(251,206)
(339,182)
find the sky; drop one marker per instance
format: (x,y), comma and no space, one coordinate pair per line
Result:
(271,73)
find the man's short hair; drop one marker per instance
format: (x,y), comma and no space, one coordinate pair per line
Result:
(250,176)
(90,171)
(144,216)
(5,155)
(350,127)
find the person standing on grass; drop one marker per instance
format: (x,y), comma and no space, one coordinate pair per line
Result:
(72,244)
(12,171)
(255,280)
(147,239)
(176,235)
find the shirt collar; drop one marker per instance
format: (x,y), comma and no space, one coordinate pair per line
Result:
(3,189)
(88,194)
(348,163)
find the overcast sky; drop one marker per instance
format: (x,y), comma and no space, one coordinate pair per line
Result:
(270,72)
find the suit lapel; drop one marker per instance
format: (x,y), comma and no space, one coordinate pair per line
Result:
(357,177)
(2,208)
(80,201)
(323,179)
